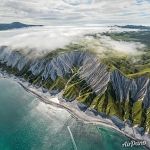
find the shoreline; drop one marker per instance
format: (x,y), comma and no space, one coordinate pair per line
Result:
(87,119)
(76,113)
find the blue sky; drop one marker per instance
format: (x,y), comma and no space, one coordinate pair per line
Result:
(76,12)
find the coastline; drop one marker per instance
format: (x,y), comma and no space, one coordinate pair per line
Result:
(81,115)
(72,108)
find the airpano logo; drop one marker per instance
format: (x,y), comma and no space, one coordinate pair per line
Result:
(133,143)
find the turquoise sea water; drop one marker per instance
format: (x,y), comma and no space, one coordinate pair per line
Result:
(28,124)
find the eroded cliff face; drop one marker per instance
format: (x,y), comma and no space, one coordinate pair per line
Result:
(81,76)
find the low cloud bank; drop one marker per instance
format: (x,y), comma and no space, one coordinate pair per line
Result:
(131,48)
(42,40)
(38,40)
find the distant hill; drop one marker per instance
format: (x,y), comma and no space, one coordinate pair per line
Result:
(14,25)
(135,27)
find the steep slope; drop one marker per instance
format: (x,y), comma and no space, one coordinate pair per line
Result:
(81,76)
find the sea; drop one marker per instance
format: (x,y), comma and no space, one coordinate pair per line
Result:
(26,123)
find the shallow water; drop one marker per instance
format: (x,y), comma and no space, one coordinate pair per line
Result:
(26,123)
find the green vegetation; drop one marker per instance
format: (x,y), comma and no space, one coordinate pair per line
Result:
(132,66)
(137,112)
(148,120)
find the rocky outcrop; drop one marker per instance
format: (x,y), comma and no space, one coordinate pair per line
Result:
(121,85)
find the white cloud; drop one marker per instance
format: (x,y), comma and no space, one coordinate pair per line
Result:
(41,40)
(38,39)
(131,48)
(75,11)
(105,45)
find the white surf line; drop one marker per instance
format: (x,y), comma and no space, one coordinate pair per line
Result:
(72,138)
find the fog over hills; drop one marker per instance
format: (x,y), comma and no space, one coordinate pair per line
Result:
(29,39)
(115,86)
